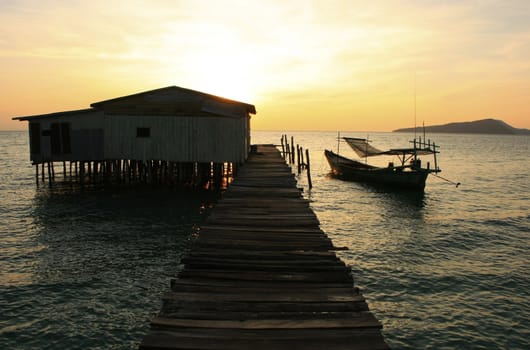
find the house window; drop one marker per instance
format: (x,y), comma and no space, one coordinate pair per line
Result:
(143,132)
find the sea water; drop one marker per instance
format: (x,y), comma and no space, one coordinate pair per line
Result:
(447,269)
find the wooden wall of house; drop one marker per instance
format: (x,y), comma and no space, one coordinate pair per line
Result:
(69,137)
(177,138)
(97,136)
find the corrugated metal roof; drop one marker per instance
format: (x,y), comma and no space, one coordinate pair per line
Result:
(56,114)
(175,89)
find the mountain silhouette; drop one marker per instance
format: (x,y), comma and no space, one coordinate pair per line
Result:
(483,126)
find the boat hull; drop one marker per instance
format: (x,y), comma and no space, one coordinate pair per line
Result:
(393,177)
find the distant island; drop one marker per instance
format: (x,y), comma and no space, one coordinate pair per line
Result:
(483,126)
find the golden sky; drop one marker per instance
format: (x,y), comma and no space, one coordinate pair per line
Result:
(306,65)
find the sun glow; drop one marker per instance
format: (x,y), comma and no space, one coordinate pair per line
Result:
(217,60)
(225,74)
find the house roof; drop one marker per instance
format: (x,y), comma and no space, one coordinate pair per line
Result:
(172,92)
(56,114)
(169,100)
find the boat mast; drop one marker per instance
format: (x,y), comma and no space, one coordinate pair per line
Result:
(435,161)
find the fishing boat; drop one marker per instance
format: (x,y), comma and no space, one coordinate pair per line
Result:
(408,173)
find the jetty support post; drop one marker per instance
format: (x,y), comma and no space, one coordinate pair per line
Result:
(292,149)
(298,160)
(302,160)
(309,182)
(283,147)
(37,174)
(49,173)
(288,150)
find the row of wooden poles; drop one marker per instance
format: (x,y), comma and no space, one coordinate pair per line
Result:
(296,157)
(190,174)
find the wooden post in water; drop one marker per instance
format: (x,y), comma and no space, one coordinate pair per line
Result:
(286,155)
(302,158)
(310,184)
(49,173)
(299,164)
(53,172)
(89,170)
(292,149)
(37,174)
(81,172)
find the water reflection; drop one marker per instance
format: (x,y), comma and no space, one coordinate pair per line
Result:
(94,256)
(90,231)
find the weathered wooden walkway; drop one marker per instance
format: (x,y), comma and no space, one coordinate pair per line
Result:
(262,275)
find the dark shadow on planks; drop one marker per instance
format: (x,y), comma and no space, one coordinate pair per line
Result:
(262,275)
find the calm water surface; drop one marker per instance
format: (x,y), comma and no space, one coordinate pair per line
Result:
(85,268)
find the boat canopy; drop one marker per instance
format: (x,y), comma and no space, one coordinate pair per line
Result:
(364,149)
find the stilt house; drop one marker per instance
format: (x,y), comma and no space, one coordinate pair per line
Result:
(170,124)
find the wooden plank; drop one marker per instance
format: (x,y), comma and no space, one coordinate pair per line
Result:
(230,215)
(222,306)
(266,255)
(253,228)
(213,259)
(268,201)
(314,339)
(231,266)
(364,320)
(254,247)
(214,314)
(268,276)
(260,297)
(260,247)
(292,244)
(185,286)
(275,211)
(265,285)
(264,222)
(262,232)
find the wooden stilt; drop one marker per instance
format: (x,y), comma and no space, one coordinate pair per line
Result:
(82,171)
(283,147)
(37,174)
(292,149)
(89,170)
(309,182)
(299,164)
(49,173)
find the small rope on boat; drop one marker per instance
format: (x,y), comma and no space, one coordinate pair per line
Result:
(451,182)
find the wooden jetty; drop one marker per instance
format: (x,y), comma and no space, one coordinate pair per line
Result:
(262,275)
